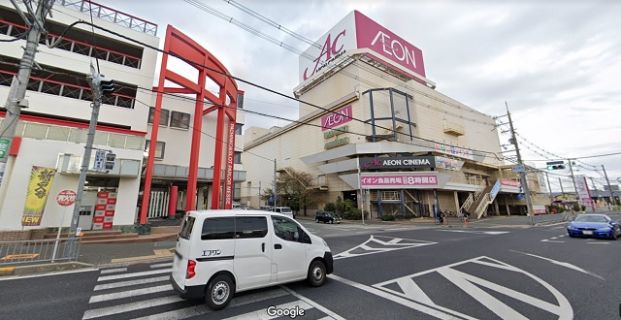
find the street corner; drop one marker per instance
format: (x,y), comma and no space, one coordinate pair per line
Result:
(43,269)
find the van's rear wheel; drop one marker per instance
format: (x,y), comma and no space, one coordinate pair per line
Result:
(219,292)
(316,274)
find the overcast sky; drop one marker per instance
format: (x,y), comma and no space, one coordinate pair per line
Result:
(557,64)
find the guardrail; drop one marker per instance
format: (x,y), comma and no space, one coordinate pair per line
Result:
(38,251)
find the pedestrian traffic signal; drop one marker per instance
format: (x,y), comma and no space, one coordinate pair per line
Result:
(110,158)
(556,165)
(106,86)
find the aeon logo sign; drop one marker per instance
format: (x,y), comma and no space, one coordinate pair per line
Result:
(336,118)
(395,48)
(332,49)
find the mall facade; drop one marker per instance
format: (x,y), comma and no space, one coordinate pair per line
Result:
(372,128)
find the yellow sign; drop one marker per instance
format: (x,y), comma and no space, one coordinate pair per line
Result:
(41,180)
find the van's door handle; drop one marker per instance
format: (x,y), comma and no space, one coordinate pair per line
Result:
(263,246)
(278,246)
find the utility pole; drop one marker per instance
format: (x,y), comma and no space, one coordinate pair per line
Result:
(549,188)
(610,201)
(561,183)
(15,100)
(274,191)
(95,83)
(523,180)
(573,179)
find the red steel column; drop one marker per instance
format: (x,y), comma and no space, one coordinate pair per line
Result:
(172,201)
(146,192)
(190,197)
(217,161)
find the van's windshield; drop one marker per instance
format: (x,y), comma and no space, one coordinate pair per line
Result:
(186,228)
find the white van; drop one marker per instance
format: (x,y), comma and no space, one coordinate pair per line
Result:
(220,252)
(284,210)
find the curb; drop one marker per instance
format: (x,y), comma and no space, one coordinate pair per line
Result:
(42,268)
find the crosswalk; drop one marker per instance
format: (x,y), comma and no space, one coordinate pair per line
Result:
(146,293)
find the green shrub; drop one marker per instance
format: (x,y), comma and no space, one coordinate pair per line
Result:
(576,207)
(388,217)
(330,207)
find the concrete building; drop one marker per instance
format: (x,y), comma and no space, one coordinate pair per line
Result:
(376,131)
(51,132)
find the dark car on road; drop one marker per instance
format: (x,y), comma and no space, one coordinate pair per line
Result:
(327,217)
(594,225)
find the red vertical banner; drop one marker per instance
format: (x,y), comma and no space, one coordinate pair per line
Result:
(230,162)
(104,211)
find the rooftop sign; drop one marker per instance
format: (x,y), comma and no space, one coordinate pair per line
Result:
(357,31)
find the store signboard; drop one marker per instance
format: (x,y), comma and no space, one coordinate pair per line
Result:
(392,163)
(448,163)
(403,180)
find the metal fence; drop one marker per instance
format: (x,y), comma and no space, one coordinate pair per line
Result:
(38,251)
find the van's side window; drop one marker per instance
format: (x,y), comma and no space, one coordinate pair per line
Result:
(218,228)
(186,229)
(251,227)
(287,229)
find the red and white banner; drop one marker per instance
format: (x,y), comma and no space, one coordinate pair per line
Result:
(104,211)
(583,191)
(399,180)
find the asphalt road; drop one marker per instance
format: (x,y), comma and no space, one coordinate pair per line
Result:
(483,271)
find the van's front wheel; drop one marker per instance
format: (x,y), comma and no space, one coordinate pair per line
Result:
(219,292)
(316,274)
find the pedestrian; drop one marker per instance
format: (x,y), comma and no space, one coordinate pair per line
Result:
(466,216)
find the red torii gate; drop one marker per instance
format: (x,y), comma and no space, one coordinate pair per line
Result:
(181,46)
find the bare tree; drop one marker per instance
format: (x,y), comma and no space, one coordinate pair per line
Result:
(295,188)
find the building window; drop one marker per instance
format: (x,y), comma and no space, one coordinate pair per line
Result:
(238,128)
(163,116)
(180,120)
(159,150)
(237,158)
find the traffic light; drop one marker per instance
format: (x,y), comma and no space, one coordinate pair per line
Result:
(110,157)
(556,165)
(106,87)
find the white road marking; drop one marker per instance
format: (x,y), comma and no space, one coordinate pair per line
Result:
(115,270)
(392,245)
(562,264)
(494,233)
(554,224)
(134,274)
(129,283)
(129,293)
(555,241)
(261,314)
(402,301)
(201,309)
(314,304)
(471,284)
(144,304)
(598,242)
(554,238)
(161,265)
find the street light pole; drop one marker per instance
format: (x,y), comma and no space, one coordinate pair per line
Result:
(609,187)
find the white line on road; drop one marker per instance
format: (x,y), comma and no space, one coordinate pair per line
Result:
(115,270)
(562,264)
(598,242)
(554,224)
(555,241)
(129,283)
(161,265)
(129,293)
(144,304)
(202,309)
(402,301)
(133,274)
(316,305)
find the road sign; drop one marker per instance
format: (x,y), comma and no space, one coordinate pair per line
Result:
(100,160)
(66,198)
(519,168)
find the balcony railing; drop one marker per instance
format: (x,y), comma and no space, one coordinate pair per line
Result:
(111,15)
(67,90)
(17,30)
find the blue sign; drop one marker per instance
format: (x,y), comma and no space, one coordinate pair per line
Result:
(519,168)
(520,196)
(100,160)
(495,190)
